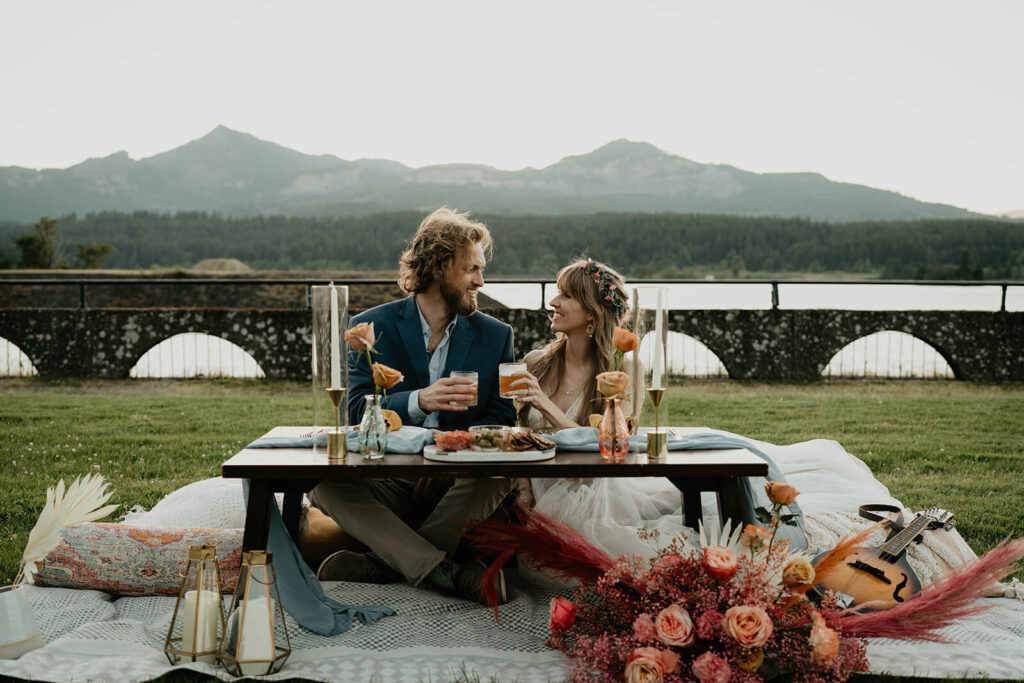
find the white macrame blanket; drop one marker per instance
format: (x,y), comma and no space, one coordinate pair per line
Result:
(92,636)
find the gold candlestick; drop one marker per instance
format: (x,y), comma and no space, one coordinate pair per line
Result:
(657,441)
(337,444)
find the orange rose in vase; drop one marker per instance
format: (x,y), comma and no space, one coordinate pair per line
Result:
(612,383)
(361,337)
(385,377)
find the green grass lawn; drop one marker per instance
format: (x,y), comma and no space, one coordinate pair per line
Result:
(951,444)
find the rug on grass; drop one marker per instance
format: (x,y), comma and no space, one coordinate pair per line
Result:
(93,636)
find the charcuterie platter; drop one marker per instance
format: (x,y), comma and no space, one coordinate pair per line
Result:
(490,443)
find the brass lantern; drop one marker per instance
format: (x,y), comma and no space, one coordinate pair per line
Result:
(197,624)
(255,639)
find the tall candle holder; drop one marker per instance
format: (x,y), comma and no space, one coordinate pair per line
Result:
(650,365)
(329,304)
(256,641)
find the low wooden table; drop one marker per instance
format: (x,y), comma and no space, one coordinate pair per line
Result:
(297,470)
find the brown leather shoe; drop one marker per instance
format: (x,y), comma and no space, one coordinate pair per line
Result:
(469,584)
(346,565)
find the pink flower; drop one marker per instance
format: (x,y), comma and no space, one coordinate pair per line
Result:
(710,668)
(674,627)
(643,628)
(748,626)
(824,641)
(720,562)
(649,665)
(667,563)
(563,614)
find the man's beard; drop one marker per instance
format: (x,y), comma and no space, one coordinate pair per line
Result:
(456,300)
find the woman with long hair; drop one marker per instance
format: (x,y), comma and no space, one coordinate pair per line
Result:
(559,390)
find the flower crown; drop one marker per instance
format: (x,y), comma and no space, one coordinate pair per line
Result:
(610,293)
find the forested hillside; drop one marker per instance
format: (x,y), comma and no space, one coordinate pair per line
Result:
(642,245)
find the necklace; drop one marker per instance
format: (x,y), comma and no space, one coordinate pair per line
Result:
(570,392)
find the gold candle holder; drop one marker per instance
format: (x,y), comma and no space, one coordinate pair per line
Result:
(657,441)
(337,441)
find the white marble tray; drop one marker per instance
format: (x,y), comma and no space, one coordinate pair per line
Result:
(431,452)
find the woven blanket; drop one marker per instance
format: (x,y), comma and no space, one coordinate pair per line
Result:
(92,636)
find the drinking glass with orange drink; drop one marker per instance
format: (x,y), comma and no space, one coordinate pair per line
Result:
(474,388)
(507,374)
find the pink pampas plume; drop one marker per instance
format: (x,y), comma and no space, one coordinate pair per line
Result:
(542,543)
(949,598)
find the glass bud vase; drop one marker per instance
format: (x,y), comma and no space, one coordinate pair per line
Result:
(373,430)
(613,436)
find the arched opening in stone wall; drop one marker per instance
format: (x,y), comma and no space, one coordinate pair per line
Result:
(686,356)
(888,354)
(196,354)
(14,362)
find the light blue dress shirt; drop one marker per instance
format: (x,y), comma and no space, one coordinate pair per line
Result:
(435,367)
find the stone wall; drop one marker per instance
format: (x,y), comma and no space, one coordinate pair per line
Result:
(759,344)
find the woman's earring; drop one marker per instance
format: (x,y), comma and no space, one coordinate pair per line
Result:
(590,329)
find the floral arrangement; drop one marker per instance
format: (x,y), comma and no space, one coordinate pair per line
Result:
(361,338)
(733,609)
(606,287)
(615,382)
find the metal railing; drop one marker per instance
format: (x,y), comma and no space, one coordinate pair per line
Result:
(83,284)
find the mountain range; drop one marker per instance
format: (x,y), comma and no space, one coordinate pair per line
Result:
(238,174)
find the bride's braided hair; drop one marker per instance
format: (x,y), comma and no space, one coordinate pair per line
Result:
(601,291)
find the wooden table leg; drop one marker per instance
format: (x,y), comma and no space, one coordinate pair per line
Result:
(729,500)
(257,516)
(689,489)
(292,512)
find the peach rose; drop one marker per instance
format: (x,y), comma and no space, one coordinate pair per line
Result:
(824,641)
(748,626)
(780,493)
(710,668)
(674,627)
(391,419)
(749,660)
(563,614)
(386,377)
(649,665)
(643,628)
(720,562)
(623,340)
(361,337)
(797,572)
(755,536)
(612,383)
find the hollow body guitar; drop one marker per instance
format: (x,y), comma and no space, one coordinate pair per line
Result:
(874,579)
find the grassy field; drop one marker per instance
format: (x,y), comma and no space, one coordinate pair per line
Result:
(956,445)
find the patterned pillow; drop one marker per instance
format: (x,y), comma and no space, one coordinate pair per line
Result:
(130,560)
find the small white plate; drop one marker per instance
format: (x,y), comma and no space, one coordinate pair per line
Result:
(432,453)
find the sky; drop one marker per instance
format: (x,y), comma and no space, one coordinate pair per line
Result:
(922,97)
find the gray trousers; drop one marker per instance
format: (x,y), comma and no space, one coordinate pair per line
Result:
(377,511)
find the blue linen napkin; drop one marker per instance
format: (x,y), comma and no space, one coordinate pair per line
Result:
(408,439)
(752,490)
(302,596)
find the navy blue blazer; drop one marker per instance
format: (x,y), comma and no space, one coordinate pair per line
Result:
(478,342)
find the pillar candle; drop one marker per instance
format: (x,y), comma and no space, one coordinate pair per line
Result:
(659,347)
(335,341)
(201,635)
(257,636)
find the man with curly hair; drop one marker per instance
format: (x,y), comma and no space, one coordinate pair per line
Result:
(433,331)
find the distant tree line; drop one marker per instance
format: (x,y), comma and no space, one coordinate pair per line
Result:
(641,245)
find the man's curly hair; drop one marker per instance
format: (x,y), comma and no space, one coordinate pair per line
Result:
(439,239)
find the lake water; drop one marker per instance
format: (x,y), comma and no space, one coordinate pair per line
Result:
(885,354)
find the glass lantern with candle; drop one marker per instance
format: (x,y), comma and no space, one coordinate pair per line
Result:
(198,619)
(650,313)
(255,639)
(329,304)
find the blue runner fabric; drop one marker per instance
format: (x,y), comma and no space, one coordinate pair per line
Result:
(408,439)
(302,596)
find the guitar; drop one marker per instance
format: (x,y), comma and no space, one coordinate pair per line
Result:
(880,578)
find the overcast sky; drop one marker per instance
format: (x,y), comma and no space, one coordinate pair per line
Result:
(923,97)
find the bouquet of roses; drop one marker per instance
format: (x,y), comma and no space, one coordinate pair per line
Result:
(733,609)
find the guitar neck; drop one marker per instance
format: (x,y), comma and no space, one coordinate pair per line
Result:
(895,546)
